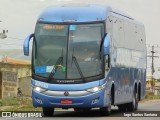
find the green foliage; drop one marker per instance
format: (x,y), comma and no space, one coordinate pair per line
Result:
(0,102)
(22,108)
(17,104)
(8,101)
(151,96)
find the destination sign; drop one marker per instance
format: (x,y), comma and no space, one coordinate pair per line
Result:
(56,27)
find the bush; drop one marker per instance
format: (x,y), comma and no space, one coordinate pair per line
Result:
(151,96)
(11,101)
(0,102)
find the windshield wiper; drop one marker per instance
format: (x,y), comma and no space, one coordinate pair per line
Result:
(57,65)
(78,67)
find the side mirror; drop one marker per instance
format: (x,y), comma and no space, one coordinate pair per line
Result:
(26,45)
(106,45)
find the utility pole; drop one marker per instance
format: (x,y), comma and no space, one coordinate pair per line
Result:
(3,34)
(152,67)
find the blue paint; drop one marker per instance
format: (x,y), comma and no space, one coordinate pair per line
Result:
(72,27)
(75,14)
(107,44)
(78,101)
(116,75)
(40,69)
(67,87)
(26,45)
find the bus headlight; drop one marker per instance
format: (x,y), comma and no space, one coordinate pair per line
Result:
(38,89)
(96,89)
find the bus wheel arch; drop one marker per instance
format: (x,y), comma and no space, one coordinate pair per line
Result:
(112,94)
(107,110)
(139,91)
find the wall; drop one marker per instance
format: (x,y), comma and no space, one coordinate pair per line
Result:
(13,76)
(8,84)
(25,85)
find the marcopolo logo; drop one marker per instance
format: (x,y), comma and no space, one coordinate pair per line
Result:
(66,93)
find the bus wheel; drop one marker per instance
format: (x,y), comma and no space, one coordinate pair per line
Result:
(47,111)
(106,110)
(134,104)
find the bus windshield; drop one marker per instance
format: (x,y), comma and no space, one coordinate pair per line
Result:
(68,51)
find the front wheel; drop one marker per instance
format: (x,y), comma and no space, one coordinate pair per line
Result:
(48,112)
(106,110)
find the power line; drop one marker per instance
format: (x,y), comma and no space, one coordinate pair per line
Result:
(10,44)
(15,38)
(6,31)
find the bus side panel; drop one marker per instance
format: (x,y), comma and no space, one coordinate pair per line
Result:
(128,57)
(143,81)
(122,84)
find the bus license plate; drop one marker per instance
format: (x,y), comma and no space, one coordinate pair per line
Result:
(66,101)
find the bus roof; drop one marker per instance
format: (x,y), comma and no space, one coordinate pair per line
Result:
(75,13)
(78,13)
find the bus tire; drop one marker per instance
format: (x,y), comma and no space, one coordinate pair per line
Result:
(47,111)
(133,106)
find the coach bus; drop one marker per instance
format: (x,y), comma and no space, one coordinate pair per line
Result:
(87,56)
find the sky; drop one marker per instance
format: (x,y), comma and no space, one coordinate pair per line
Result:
(19,18)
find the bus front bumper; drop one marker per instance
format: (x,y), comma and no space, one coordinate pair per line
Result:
(92,100)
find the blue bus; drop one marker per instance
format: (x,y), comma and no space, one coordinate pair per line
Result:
(87,56)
